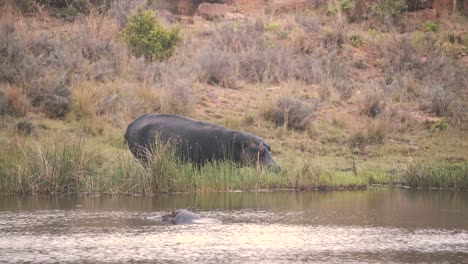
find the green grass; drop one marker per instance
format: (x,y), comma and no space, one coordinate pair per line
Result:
(67,164)
(436,175)
(62,158)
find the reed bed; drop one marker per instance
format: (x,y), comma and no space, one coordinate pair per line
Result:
(442,175)
(64,165)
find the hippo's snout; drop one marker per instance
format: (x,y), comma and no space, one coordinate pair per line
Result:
(270,163)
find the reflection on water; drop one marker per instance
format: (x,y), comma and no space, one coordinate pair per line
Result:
(377,225)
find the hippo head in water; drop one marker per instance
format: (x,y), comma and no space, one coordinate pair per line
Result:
(180,216)
(257,152)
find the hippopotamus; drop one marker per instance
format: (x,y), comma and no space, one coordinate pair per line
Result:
(184,216)
(196,141)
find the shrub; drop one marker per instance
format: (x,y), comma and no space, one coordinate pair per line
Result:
(387,11)
(347,5)
(374,133)
(25,127)
(372,105)
(15,102)
(308,69)
(291,112)
(431,26)
(310,23)
(356,41)
(55,106)
(146,37)
(218,67)
(265,64)
(176,97)
(99,46)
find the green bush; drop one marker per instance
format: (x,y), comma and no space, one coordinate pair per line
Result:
(356,41)
(388,10)
(431,26)
(347,5)
(146,37)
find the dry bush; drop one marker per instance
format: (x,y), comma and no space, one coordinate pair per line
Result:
(218,67)
(310,23)
(35,61)
(25,127)
(270,65)
(13,101)
(308,69)
(403,55)
(238,39)
(120,9)
(337,71)
(13,44)
(291,112)
(445,83)
(176,86)
(372,105)
(96,39)
(177,97)
(401,119)
(245,49)
(248,53)
(304,42)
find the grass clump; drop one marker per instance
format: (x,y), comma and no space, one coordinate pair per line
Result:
(52,166)
(146,37)
(356,41)
(435,175)
(375,132)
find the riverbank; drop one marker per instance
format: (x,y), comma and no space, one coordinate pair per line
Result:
(62,163)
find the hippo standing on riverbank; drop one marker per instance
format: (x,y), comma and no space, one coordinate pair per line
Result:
(196,141)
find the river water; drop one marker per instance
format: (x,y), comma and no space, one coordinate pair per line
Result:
(372,226)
